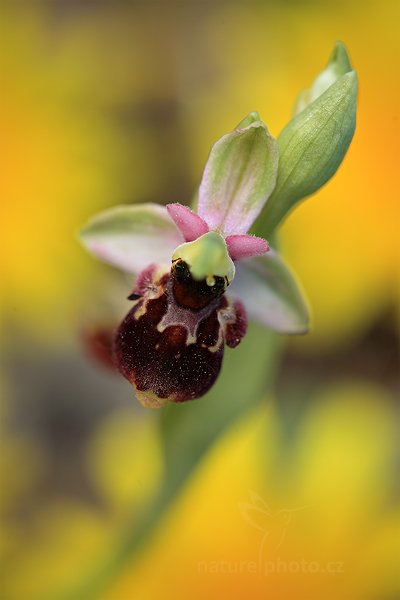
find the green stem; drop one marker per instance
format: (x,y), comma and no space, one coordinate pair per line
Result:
(188,431)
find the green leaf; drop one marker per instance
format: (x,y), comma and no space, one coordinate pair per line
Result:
(239,177)
(311,148)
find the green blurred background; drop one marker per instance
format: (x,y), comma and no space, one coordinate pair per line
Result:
(112,102)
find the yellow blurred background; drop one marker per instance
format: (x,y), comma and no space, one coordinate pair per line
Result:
(110,102)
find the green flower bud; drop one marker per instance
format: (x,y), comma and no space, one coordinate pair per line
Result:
(315,141)
(207,257)
(338,65)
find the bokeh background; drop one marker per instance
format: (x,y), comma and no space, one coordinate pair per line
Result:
(111,102)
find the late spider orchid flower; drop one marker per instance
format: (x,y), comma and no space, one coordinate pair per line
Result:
(171,343)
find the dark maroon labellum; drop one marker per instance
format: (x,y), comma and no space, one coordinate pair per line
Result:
(171,343)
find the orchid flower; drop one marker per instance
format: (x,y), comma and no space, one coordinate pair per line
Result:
(170,345)
(200,275)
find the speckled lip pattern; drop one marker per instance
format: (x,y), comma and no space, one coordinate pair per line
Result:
(171,343)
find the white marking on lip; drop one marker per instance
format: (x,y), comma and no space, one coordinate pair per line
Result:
(142,310)
(183,317)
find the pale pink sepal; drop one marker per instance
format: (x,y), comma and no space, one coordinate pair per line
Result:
(271,294)
(191,225)
(238,179)
(244,246)
(131,237)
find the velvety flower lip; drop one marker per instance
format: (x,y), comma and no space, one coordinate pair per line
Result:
(170,345)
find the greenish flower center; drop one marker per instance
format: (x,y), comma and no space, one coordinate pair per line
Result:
(207,258)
